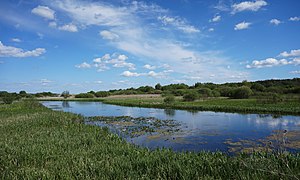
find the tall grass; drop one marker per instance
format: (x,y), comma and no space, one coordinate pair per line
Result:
(37,143)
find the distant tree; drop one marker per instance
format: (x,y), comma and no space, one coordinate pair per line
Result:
(169,99)
(205,92)
(158,86)
(84,95)
(23,93)
(65,94)
(258,87)
(102,94)
(243,92)
(92,92)
(190,96)
(8,98)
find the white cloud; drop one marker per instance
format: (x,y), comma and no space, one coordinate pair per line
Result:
(130,74)
(83,65)
(292,53)
(179,24)
(271,62)
(215,19)
(148,66)
(242,25)
(248,6)
(44,11)
(45,82)
(275,21)
(52,24)
(294,18)
(114,60)
(108,35)
(211,29)
(10,51)
(98,82)
(68,27)
(140,38)
(295,72)
(16,40)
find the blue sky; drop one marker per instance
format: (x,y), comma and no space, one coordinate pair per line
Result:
(87,45)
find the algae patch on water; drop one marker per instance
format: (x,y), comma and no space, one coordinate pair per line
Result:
(134,127)
(278,141)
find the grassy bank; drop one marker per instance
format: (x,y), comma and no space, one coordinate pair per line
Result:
(36,142)
(219,104)
(214,104)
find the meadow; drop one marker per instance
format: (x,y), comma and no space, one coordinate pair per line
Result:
(36,142)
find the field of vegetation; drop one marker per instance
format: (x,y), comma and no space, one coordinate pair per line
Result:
(36,143)
(268,96)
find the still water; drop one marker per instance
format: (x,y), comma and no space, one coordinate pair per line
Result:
(195,131)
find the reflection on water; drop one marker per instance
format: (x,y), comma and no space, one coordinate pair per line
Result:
(170,112)
(65,104)
(197,130)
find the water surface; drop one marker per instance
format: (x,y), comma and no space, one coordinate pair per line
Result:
(202,130)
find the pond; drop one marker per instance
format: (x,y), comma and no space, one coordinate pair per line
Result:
(191,131)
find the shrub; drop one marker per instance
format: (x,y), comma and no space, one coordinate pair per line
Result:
(8,98)
(205,92)
(170,99)
(243,92)
(84,95)
(102,94)
(190,96)
(65,94)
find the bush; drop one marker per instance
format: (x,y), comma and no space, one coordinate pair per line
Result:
(102,94)
(84,95)
(170,99)
(8,98)
(243,92)
(205,92)
(65,94)
(190,96)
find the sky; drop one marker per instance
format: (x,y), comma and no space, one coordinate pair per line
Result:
(83,45)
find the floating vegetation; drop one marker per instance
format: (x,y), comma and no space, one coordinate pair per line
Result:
(134,127)
(279,141)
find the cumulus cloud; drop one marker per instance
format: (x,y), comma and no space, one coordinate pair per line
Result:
(211,29)
(52,24)
(69,28)
(294,18)
(271,62)
(16,40)
(215,19)
(44,12)
(115,60)
(242,25)
(83,65)
(10,51)
(140,38)
(295,72)
(292,53)
(248,6)
(179,24)
(108,35)
(130,74)
(275,21)
(148,66)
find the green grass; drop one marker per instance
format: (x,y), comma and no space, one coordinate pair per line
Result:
(36,143)
(218,104)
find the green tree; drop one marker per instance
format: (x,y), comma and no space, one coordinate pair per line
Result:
(169,99)
(65,94)
(243,92)
(190,96)
(158,86)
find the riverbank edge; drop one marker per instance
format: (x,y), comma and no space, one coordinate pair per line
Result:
(213,108)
